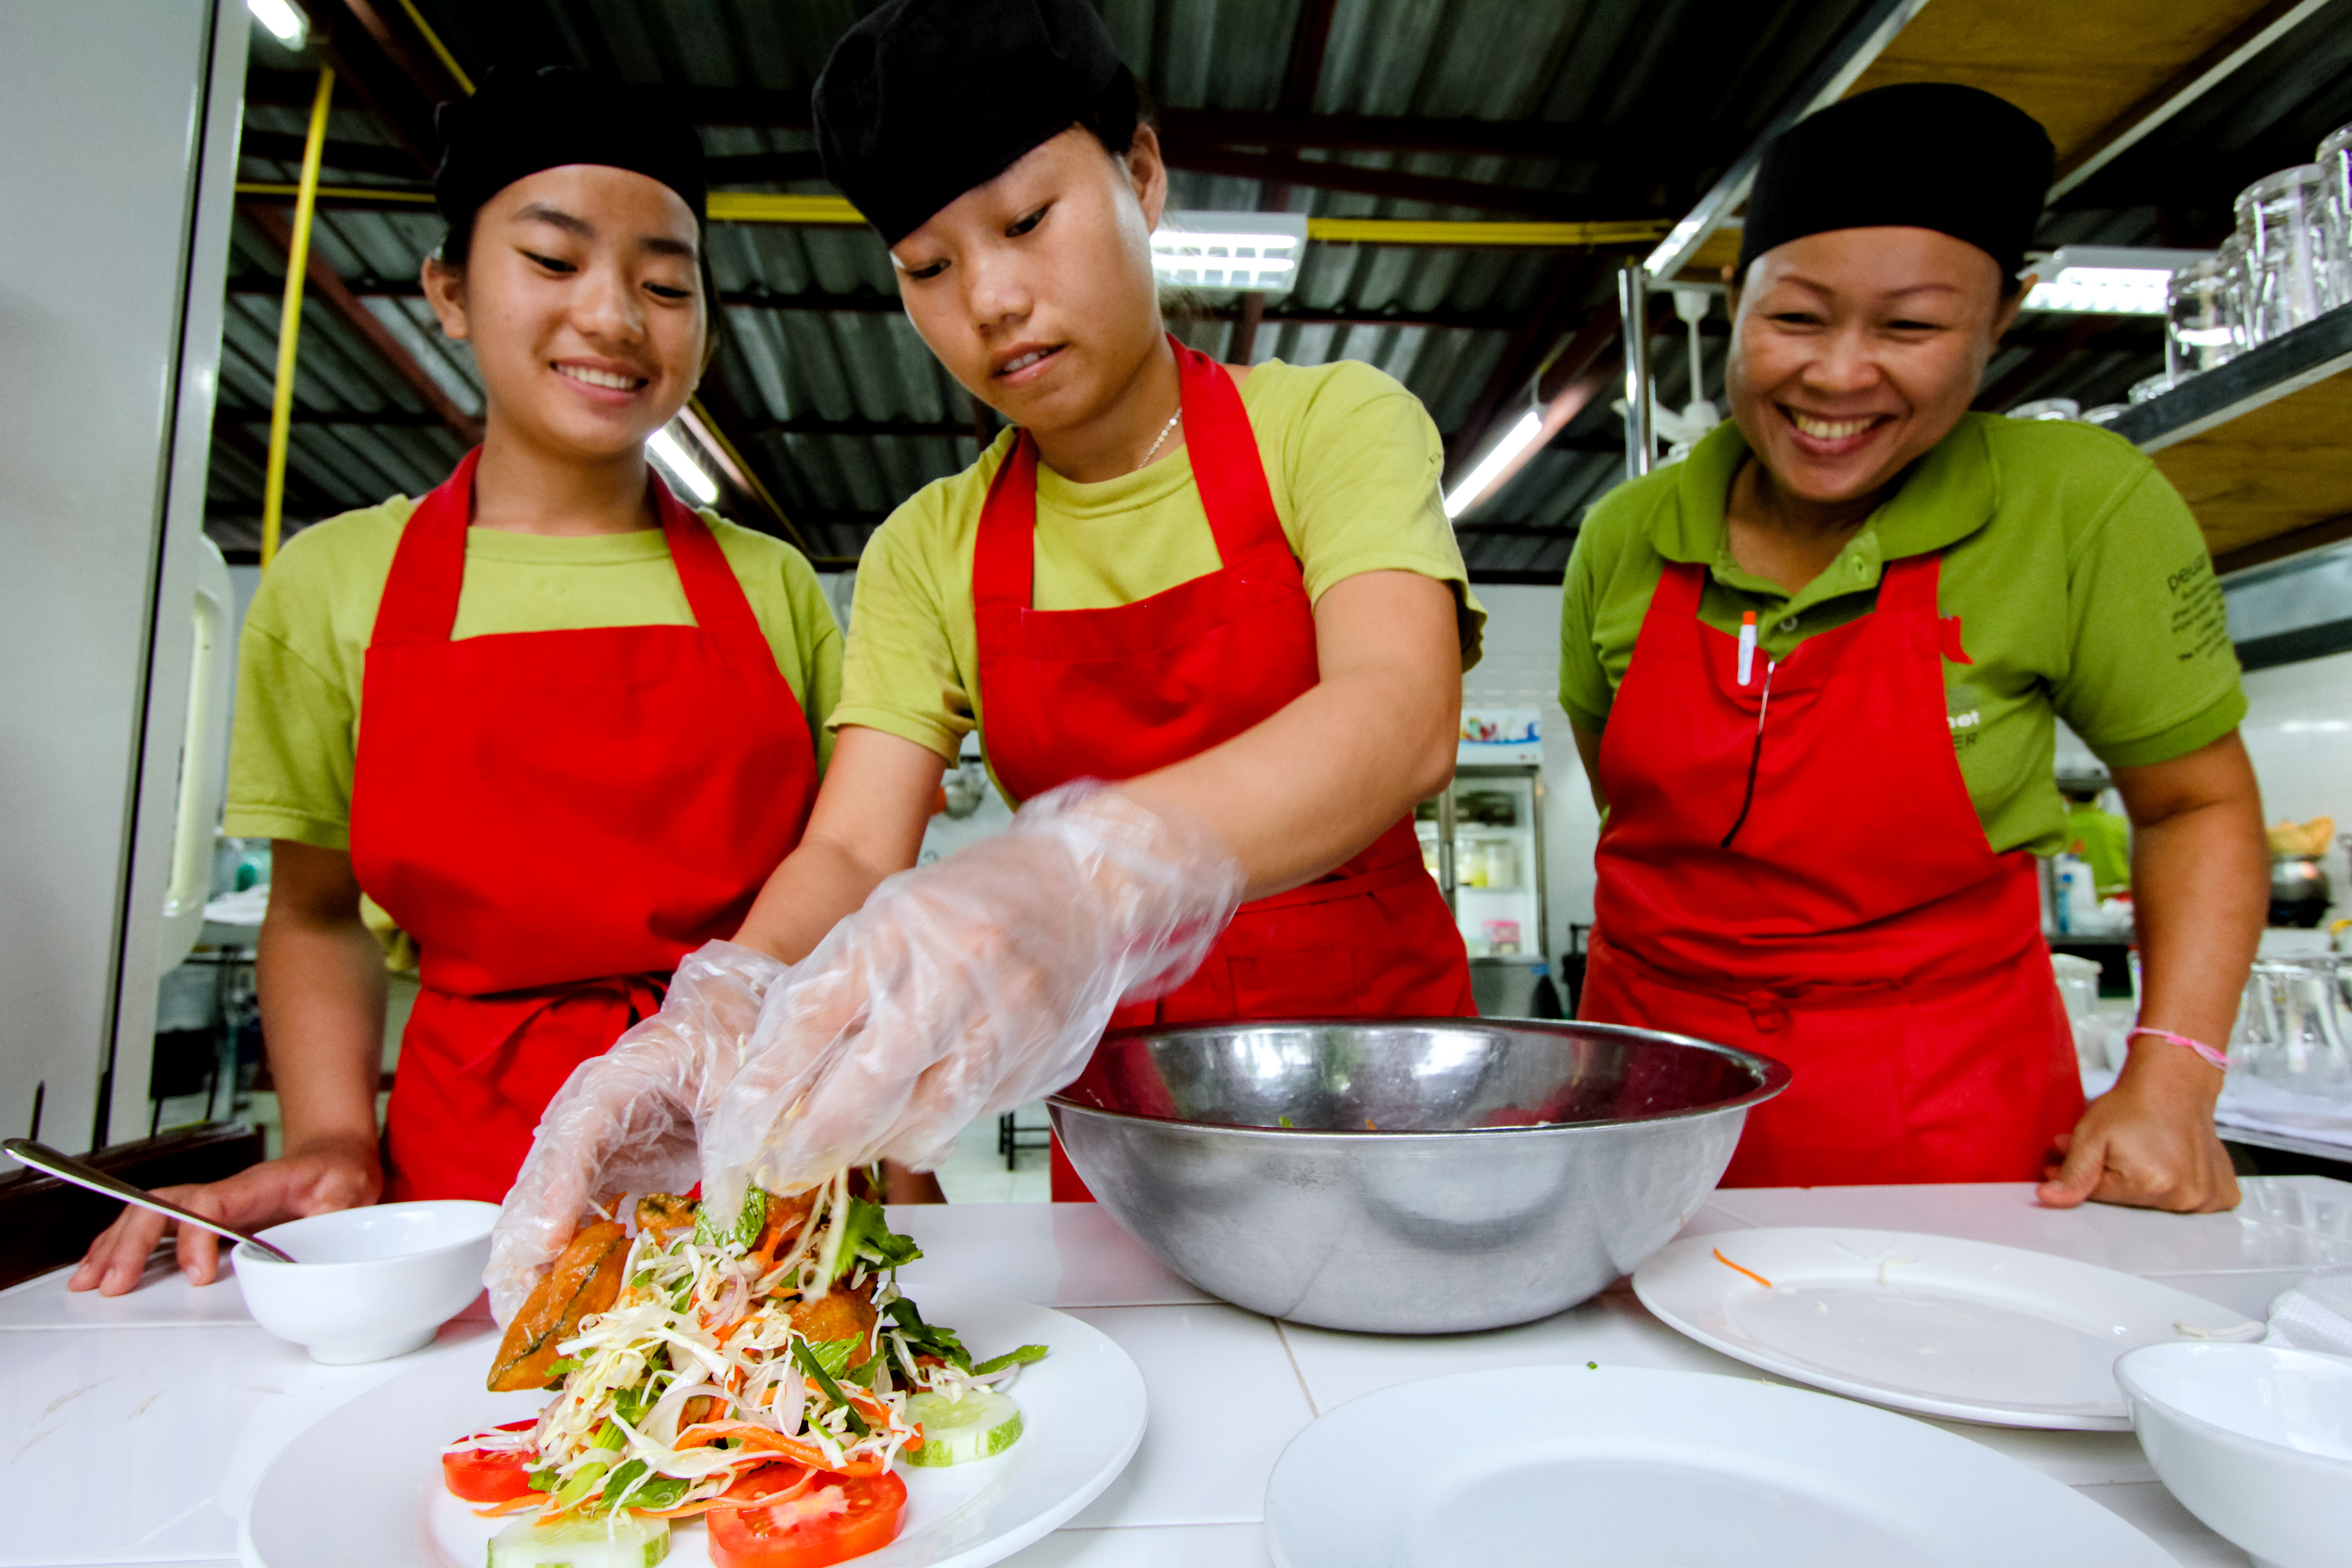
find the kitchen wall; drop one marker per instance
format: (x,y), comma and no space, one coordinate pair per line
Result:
(1522,670)
(2298,730)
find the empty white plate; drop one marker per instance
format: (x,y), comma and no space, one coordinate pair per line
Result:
(363,1488)
(1932,1323)
(1638,1468)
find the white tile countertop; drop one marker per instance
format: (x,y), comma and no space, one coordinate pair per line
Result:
(135,1429)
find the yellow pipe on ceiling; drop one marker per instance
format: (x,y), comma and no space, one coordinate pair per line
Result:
(289,321)
(835,212)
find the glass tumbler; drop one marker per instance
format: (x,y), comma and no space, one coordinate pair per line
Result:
(2203,326)
(2291,252)
(2291,1028)
(2335,166)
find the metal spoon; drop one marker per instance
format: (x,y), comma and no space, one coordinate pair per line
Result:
(65,1168)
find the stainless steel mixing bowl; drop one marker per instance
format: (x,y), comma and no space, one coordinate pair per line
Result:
(1420,1176)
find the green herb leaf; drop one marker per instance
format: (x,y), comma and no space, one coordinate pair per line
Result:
(541,1479)
(631,1403)
(928,1337)
(617,1484)
(865,1234)
(1022,1357)
(809,1364)
(748,1222)
(834,1355)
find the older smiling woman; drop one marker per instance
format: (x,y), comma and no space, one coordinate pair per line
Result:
(1814,672)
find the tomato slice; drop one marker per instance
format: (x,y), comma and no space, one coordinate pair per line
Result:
(840,1518)
(489,1475)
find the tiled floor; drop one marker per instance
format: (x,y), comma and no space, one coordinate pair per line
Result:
(975,1173)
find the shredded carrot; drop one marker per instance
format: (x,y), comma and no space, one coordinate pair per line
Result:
(513,1505)
(1719,1258)
(767,1440)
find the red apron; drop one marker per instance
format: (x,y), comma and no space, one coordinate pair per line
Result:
(1114,693)
(1794,865)
(557,818)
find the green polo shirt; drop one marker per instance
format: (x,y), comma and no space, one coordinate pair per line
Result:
(2084,589)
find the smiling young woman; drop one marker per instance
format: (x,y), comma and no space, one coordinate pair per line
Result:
(1230,592)
(554,724)
(1814,672)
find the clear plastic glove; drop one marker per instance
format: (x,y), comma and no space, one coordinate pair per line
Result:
(967,987)
(628,1121)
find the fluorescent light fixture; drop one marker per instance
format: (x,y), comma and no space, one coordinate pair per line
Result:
(286,23)
(683,472)
(1517,439)
(2106,280)
(1257,252)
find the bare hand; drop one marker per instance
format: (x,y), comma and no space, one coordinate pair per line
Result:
(333,1173)
(2149,1142)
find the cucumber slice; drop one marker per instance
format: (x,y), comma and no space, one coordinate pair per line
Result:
(982,1423)
(621,1541)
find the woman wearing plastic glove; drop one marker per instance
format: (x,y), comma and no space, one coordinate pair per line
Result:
(1234,589)
(557,811)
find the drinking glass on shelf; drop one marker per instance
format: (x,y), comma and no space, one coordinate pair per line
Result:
(2291,251)
(2335,167)
(2203,327)
(2291,1028)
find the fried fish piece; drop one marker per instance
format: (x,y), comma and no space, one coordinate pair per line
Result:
(838,1314)
(585,1280)
(664,1215)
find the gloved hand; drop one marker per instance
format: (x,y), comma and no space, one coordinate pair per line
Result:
(967,987)
(628,1122)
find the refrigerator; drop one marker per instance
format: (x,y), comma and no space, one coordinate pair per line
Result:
(121,118)
(1482,839)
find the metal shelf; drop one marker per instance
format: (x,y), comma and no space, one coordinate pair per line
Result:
(2257,448)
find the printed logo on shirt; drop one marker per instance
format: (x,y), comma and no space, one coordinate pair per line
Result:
(1966,728)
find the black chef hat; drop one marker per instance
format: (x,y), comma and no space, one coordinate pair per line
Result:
(923,100)
(1924,155)
(525,120)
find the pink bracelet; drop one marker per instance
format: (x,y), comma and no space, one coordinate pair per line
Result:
(2218,1059)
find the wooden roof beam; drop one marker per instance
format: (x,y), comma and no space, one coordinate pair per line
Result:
(332,288)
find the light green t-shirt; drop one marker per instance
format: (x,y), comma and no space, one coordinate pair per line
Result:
(1350,457)
(303,654)
(2083,587)
(2103,839)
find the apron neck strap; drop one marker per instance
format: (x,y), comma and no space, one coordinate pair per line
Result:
(1226,470)
(428,569)
(1910,584)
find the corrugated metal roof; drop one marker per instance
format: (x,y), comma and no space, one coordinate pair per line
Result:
(1614,108)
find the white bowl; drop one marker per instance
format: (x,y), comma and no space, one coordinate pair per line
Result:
(2255,1440)
(371,1283)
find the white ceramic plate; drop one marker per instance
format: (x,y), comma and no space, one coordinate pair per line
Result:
(1639,1469)
(1932,1323)
(362,1487)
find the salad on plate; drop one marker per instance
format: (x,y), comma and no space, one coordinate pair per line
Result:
(765,1373)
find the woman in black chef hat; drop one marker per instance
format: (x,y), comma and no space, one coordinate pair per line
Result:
(556,723)
(1232,591)
(1815,670)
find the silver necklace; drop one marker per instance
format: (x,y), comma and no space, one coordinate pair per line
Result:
(1156,445)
